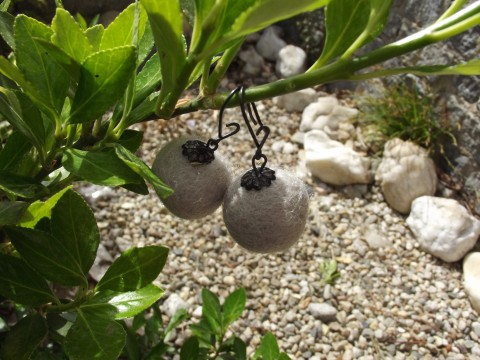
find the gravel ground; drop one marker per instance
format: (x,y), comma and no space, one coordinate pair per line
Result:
(392,300)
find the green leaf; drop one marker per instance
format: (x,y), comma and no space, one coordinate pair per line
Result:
(180,316)
(245,17)
(345,20)
(13,152)
(5,5)
(268,349)
(212,311)
(103,79)
(6,29)
(471,67)
(137,165)
(190,349)
(236,346)
(11,212)
(69,36)
(94,337)
(145,46)
(165,19)
(24,117)
(131,139)
(148,80)
(143,110)
(204,333)
(94,35)
(134,269)
(22,284)
(188,9)
(121,31)
(99,167)
(24,338)
(233,306)
(39,210)
(74,224)
(141,189)
(48,255)
(38,67)
(23,186)
(121,305)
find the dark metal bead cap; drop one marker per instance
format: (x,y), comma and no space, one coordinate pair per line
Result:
(198,152)
(255,179)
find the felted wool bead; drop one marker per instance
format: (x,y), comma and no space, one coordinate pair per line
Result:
(198,188)
(267,220)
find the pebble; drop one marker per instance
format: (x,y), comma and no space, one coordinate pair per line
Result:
(322,311)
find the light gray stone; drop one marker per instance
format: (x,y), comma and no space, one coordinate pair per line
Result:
(443,227)
(315,115)
(174,303)
(254,63)
(334,163)
(405,173)
(471,281)
(296,101)
(322,311)
(270,44)
(291,61)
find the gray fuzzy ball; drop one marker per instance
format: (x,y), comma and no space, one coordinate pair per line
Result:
(269,220)
(199,188)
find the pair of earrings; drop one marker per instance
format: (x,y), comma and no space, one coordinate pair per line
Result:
(265,211)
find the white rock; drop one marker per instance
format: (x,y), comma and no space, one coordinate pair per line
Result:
(270,44)
(341,114)
(334,163)
(315,115)
(289,148)
(471,280)
(291,61)
(174,303)
(296,101)
(405,173)
(375,239)
(254,63)
(324,312)
(443,227)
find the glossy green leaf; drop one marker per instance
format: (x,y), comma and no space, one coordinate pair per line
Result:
(245,17)
(14,150)
(190,349)
(134,269)
(69,36)
(345,20)
(165,18)
(39,210)
(5,4)
(11,212)
(212,311)
(146,44)
(75,226)
(122,305)
(180,316)
(22,284)
(233,306)
(24,117)
(131,139)
(94,35)
(144,110)
(103,79)
(22,186)
(24,338)
(99,167)
(268,349)
(143,170)
(94,337)
(48,255)
(121,31)
(148,80)
(38,67)
(141,189)
(6,29)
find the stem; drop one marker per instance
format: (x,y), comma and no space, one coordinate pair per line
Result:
(456,5)
(206,74)
(221,68)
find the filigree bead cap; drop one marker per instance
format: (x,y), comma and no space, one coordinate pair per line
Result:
(254,179)
(198,152)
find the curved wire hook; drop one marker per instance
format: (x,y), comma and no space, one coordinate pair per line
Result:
(250,114)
